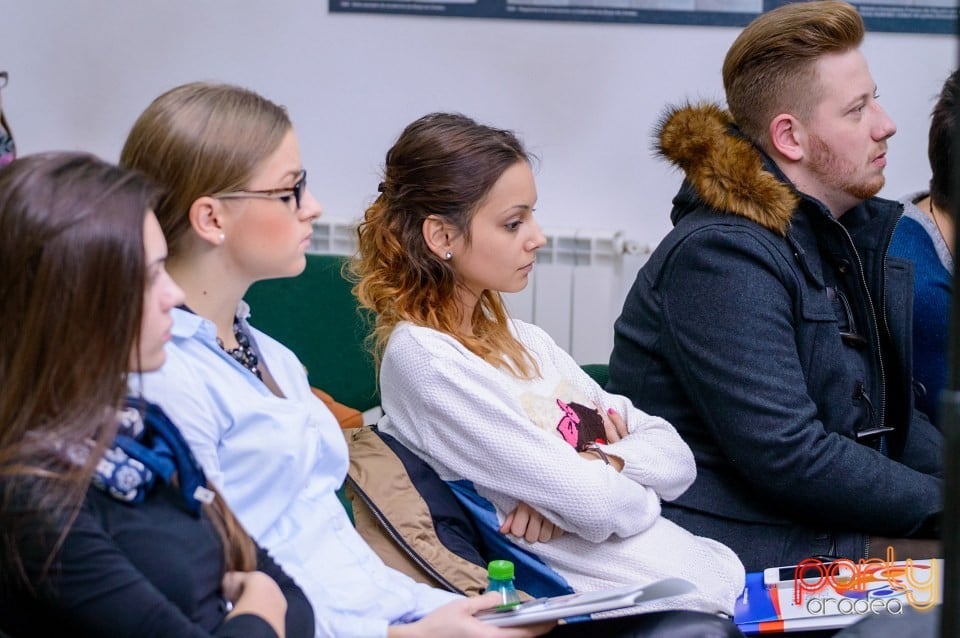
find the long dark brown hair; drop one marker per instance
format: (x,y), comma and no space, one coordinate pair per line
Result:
(72,276)
(443,165)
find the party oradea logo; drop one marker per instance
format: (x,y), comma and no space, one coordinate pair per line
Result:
(868,586)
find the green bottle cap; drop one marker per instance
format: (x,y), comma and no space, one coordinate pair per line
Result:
(500,570)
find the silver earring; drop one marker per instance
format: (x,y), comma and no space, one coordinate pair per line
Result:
(448,255)
(222,237)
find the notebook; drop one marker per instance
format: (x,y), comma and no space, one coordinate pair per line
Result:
(583,603)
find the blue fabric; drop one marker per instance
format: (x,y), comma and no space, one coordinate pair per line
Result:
(932,288)
(531,574)
(148,446)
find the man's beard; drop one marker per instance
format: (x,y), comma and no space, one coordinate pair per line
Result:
(839,173)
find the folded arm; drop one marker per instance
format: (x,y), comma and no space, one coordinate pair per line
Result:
(459,418)
(654,454)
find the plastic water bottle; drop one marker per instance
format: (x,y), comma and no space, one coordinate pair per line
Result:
(500,573)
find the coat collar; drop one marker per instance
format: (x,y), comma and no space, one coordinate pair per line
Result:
(724,169)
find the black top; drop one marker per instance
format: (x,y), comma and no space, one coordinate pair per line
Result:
(141,571)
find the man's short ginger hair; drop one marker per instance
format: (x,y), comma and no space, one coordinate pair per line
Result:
(771,66)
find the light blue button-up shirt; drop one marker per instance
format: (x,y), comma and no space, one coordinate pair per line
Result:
(278,462)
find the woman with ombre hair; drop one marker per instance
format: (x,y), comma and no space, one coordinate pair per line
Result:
(527,440)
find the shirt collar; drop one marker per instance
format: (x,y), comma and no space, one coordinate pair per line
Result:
(186,324)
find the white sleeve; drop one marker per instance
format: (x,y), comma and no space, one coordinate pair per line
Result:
(653,453)
(451,407)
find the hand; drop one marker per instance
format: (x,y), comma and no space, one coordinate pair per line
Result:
(529,524)
(256,593)
(614,426)
(615,429)
(456,620)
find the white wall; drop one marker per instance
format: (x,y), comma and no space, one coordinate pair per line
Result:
(583,96)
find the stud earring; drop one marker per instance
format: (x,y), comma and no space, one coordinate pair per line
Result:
(448,255)
(222,237)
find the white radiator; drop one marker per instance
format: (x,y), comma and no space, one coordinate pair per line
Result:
(576,289)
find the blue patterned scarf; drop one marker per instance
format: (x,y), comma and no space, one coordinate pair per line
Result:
(148,447)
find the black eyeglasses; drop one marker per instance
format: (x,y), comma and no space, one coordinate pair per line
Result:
(283,194)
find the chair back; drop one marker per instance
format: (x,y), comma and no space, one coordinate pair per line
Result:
(316,315)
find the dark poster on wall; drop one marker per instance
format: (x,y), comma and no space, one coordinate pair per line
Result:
(909,16)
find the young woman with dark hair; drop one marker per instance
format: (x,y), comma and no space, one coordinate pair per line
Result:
(502,413)
(107,523)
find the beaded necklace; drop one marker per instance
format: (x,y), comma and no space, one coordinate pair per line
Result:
(243,353)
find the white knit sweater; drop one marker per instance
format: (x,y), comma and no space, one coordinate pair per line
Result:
(470,420)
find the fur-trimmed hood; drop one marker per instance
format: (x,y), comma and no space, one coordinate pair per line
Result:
(725,169)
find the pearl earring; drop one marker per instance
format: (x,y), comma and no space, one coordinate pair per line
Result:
(222,237)
(448,255)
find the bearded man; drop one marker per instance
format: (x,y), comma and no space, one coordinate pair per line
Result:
(770,327)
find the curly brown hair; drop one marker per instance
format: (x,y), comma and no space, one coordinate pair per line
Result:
(442,165)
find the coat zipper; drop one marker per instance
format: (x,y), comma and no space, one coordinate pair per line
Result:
(875,322)
(401,543)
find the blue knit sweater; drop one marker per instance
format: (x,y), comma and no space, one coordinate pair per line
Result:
(916,238)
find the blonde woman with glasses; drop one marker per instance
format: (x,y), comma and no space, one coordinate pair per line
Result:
(238,210)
